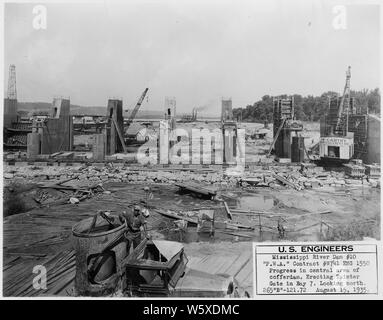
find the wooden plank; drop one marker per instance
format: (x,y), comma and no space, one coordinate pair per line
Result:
(238,234)
(238,263)
(245,276)
(197,189)
(228,210)
(120,135)
(27,254)
(176,216)
(9,260)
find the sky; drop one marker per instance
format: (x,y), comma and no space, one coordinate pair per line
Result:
(196,51)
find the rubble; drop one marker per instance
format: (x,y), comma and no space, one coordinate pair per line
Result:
(289,176)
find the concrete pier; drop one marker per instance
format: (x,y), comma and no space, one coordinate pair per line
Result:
(99,147)
(115,117)
(33,145)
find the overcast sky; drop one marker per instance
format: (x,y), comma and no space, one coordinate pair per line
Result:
(195,51)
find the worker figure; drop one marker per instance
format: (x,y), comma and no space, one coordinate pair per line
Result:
(134,220)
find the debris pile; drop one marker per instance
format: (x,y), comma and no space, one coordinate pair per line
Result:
(289,176)
(51,194)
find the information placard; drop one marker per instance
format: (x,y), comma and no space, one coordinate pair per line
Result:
(316,269)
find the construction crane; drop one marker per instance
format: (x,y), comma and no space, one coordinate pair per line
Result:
(135,110)
(345,100)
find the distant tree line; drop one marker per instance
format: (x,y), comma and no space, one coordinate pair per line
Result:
(308,108)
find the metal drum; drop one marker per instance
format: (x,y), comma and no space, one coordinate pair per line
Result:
(100,249)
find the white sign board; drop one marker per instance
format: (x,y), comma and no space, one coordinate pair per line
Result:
(336,141)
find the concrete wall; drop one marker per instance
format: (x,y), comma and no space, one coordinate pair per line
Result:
(229,132)
(297,149)
(282,147)
(99,146)
(227,110)
(373,140)
(10,112)
(114,111)
(60,108)
(33,145)
(170,111)
(57,135)
(286,144)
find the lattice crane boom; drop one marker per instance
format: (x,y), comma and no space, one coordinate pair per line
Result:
(136,108)
(345,97)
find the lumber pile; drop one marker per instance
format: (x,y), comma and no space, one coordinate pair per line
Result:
(43,237)
(39,238)
(287,182)
(18,275)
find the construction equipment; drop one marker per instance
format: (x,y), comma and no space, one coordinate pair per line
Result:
(345,102)
(342,130)
(190,117)
(355,169)
(135,110)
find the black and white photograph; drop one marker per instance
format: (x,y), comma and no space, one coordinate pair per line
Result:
(148,146)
